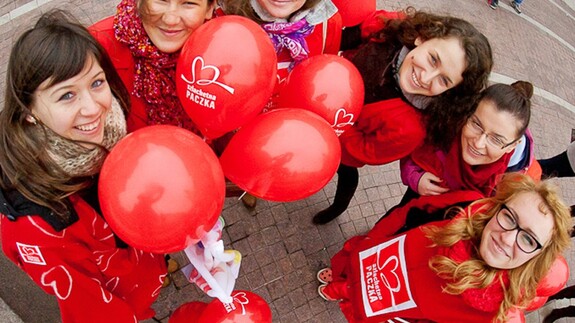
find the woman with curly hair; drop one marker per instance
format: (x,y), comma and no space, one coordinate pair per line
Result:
(421,72)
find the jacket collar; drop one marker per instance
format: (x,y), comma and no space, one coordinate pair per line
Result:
(14,205)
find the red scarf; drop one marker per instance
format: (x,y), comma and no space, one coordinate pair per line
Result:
(456,173)
(155,71)
(486,299)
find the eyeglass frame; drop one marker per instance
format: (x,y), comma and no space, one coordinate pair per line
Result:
(476,126)
(518,228)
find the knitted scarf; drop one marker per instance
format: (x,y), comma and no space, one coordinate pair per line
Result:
(77,160)
(155,71)
(486,299)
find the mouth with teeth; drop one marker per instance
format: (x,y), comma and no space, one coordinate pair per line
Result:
(415,80)
(89,126)
(474,151)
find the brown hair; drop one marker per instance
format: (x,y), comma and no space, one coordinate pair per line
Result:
(475,273)
(55,49)
(144,10)
(244,8)
(514,99)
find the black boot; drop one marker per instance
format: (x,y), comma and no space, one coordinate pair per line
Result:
(556,166)
(347,180)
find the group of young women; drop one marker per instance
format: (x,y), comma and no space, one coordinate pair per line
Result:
(71,94)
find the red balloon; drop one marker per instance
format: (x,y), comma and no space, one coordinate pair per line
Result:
(161,188)
(536,303)
(226,74)
(328,85)
(555,279)
(354,12)
(282,155)
(189,312)
(247,307)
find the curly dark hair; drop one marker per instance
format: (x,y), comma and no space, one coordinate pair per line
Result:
(448,111)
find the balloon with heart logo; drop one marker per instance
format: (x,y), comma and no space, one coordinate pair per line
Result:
(282,155)
(225,74)
(327,85)
(161,188)
(247,307)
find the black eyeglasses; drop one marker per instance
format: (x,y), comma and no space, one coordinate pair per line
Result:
(525,241)
(475,126)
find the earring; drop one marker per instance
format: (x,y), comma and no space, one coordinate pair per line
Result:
(31,119)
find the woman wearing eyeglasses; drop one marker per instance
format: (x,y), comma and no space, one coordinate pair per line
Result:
(494,137)
(479,267)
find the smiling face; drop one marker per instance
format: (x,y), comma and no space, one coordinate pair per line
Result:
(281,8)
(75,108)
(501,126)
(433,67)
(498,247)
(169,23)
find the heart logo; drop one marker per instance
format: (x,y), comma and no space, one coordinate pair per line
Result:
(60,280)
(243,300)
(388,274)
(342,119)
(202,66)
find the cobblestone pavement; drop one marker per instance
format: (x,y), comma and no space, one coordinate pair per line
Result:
(281,248)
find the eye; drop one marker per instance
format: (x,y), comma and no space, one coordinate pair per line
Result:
(497,142)
(433,60)
(508,218)
(66,96)
(476,125)
(97,83)
(525,239)
(444,81)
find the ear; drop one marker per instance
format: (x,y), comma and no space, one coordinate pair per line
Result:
(418,41)
(512,146)
(210,11)
(30,118)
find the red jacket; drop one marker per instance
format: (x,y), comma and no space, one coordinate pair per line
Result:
(390,277)
(93,279)
(122,59)
(384,132)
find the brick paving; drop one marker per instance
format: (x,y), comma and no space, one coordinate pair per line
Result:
(281,248)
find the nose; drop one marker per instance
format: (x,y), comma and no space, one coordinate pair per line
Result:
(90,105)
(171,16)
(508,237)
(427,76)
(481,141)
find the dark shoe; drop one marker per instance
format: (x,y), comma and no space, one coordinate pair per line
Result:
(327,215)
(493,4)
(516,6)
(249,200)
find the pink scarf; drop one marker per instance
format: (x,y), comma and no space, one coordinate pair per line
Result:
(155,71)
(291,36)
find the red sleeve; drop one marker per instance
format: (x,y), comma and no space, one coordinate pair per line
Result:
(123,61)
(376,21)
(384,132)
(333,35)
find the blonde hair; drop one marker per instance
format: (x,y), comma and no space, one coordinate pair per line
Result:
(475,273)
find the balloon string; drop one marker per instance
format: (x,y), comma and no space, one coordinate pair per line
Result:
(214,285)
